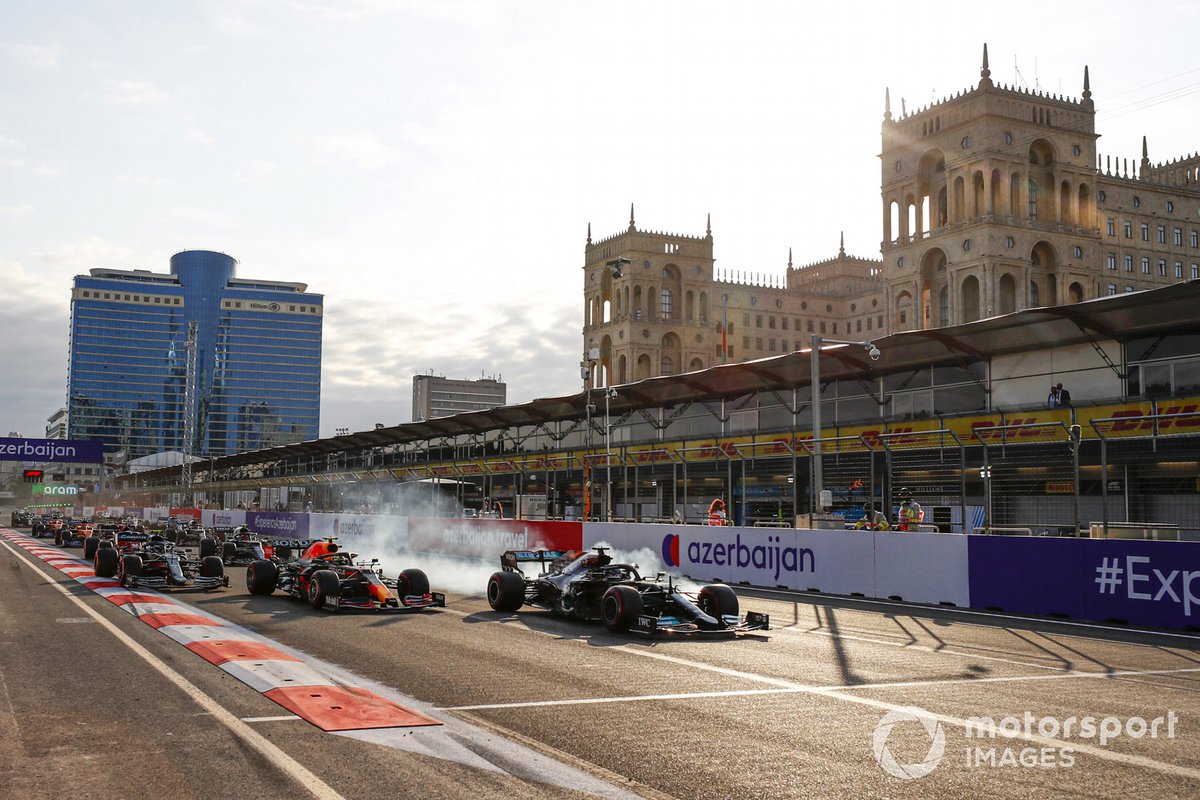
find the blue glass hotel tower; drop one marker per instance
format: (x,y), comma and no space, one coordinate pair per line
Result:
(258,358)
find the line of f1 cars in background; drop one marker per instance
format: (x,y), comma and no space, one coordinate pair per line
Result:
(182,555)
(177,555)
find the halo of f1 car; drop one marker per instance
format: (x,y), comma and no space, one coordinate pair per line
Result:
(150,561)
(329,577)
(589,586)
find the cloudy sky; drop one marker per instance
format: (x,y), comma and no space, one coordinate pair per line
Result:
(432,166)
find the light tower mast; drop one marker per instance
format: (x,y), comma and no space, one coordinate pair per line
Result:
(189,404)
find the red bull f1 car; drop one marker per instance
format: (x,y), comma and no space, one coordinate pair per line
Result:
(590,587)
(330,578)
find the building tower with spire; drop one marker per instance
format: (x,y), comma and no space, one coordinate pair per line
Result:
(989,204)
(994,200)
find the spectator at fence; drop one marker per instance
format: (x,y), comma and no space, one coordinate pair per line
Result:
(716,512)
(1052,398)
(1063,396)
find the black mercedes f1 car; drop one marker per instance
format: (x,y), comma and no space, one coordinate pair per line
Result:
(589,586)
(328,577)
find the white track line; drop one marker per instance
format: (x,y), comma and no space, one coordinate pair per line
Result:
(285,763)
(823,690)
(814,598)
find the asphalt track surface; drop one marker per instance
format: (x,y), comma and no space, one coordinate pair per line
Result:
(96,704)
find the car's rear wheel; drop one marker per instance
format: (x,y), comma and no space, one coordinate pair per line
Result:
(212,567)
(106,562)
(718,600)
(412,582)
(89,547)
(620,607)
(261,577)
(322,584)
(506,591)
(58,538)
(229,551)
(208,547)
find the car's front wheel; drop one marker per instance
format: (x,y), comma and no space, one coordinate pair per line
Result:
(620,607)
(131,567)
(323,584)
(412,582)
(718,600)
(212,567)
(506,591)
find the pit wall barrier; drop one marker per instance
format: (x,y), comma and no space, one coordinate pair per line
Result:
(922,568)
(1150,583)
(1139,582)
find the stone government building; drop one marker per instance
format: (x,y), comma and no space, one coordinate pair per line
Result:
(994,200)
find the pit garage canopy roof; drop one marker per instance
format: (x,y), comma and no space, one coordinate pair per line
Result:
(1173,309)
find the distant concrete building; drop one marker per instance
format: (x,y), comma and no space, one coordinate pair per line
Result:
(56,425)
(435,396)
(170,458)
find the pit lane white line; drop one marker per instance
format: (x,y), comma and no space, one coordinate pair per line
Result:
(284,718)
(921,648)
(802,689)
(285,763)
(839,693)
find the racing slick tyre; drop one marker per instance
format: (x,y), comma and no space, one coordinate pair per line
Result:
(212,567)
(412,582)
(208,547)
(228,551)
(322,584)
(106,562)
(90,547)
(131,567)
(58,538)
(506,591)
(173,536)
(620,607)
(718,600)
(261,577)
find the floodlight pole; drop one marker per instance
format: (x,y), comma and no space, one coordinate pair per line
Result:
(815,370)
(609,394)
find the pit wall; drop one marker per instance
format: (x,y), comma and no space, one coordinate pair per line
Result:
(1143,583)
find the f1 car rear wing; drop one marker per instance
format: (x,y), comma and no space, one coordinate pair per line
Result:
(512,558)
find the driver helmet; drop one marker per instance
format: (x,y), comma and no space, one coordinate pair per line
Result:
(905,495)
